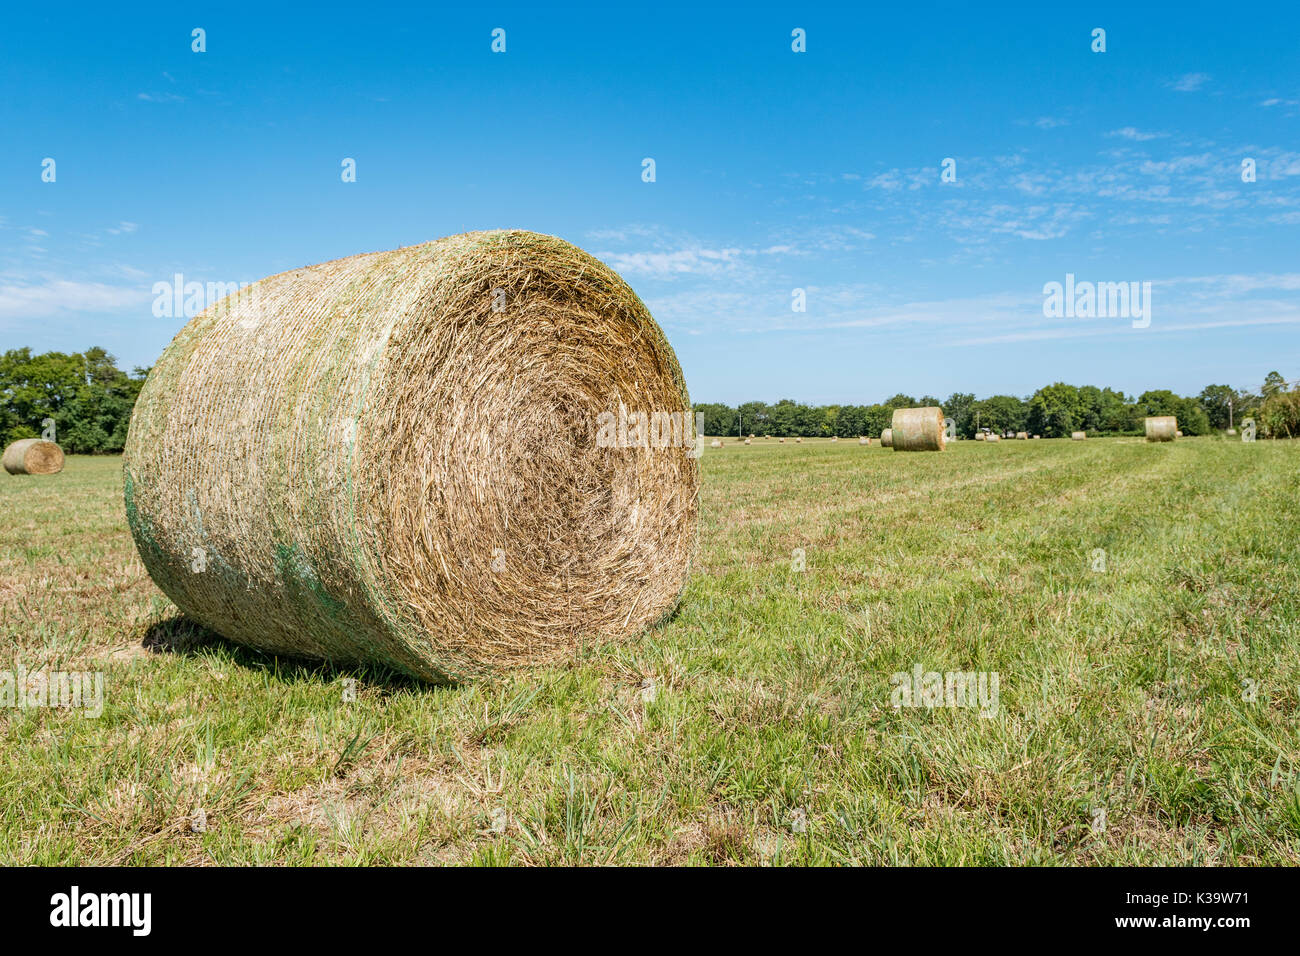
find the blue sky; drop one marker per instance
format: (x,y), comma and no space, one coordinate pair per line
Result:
(775,170)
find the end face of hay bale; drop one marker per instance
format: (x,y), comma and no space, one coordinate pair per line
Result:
(450,459)
(1161,427)
(917,429)
(1078,436)
(887,438)
(33,456)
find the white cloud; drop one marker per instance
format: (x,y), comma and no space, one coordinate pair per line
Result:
(1135,134)
(1189,82)
(26,300)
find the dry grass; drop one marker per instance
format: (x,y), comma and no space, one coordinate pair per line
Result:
(754,727)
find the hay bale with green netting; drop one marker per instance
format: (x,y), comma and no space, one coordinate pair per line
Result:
(33,456)
(917,429)
(403,458)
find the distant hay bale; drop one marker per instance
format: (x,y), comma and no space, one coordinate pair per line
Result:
(980,436)
(1232,431)
(887,438)
(749,441)
(1178,434)
(1022,436)
(864,441)
(917,429)
(834,439)
(1161,427)
(716,443)
(782,441)
(1078,436)
(1036,437)
(33,456)
(993,438)
(799,440)
(408,458)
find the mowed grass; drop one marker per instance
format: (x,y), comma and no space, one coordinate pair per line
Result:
(756,726)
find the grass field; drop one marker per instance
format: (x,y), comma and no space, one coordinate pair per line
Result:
(754,727)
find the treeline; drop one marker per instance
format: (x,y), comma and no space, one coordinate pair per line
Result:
(90,400)
(1053,411)
(86,395)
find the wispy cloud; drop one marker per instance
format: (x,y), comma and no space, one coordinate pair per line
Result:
(54,296)
(1189,82)
(1135,134)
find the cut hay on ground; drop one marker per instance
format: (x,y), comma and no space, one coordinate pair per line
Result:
(917,429)
(397,458)
(1161,427)
(33,456)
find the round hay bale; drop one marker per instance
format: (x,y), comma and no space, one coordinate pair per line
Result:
(799,440)
(993,438)
(716,443)
(887,438)
(1022,436)
(917,429)
(405,458)
(1036,437)
(834,439)
(33,456)
(1178,434)
(1161,427)
(1232,431)
(1078,436)
(782,441)
(864,441)
(980,436)
(749,441)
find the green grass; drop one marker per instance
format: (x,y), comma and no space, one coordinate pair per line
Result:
(765,702)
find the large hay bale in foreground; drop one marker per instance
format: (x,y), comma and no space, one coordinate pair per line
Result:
(1161,427)
(407,458)
(33,456)
(917,429)
(1078,436)
(887,438)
